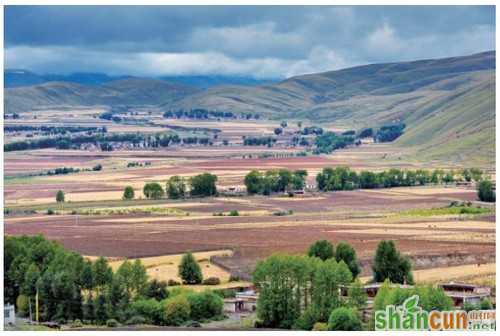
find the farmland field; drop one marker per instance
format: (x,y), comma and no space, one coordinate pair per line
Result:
(95,221)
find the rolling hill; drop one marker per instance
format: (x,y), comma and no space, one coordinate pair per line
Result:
(131,91)
(448,104)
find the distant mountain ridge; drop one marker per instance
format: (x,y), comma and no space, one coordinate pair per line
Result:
(20,77)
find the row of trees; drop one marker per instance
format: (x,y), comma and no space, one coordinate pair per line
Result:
(343,178)
(259,141)
(104,141)
(274,181)
(70,287)
(207,114)
(202,185)
(53,130)
(302,292)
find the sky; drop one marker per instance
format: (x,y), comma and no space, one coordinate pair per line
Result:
(255,41)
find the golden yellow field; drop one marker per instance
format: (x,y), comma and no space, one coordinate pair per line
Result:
(166,267)
(453,273)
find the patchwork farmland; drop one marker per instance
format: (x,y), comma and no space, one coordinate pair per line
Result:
(94,220)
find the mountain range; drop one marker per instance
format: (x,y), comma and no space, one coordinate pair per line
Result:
(448,104)
(20,77)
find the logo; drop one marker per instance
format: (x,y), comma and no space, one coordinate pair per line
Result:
(410,316)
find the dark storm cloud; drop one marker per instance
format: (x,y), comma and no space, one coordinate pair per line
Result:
(265,40)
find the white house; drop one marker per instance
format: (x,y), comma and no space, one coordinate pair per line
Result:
(9,314)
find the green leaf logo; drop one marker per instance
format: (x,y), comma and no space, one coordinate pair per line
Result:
(410,304)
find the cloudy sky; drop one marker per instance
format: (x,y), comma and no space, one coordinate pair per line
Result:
(263,42)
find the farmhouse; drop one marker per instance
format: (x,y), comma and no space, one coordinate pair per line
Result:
(242,302)
(462,293)
(9,314)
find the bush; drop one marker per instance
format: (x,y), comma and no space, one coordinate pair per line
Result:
(177,310)
(135,320)
(77,324)
(205,305)
(193,324)
(234,213)
(225,292)
(307,320)
(112,323)
(172,282)
(128,193)
(22,305)
(151,310)
(346,319)
(486,304)
(234,278)
(211,281)
(50,212)
(320,326)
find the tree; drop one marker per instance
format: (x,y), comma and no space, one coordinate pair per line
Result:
(128,193)
(356,295)
(322,249)
(284,124)
(448,177)
(390,264)
(60,196)
(176,187)
(101,311)
(344,318)
(87,276)
(203,185)
(485,191)
(139,276)
(156,290)
(282,281)
(327,278)
(189,269)
(477,174)
(368,180)
(254,182)
(153,190)
(299,179)
(103,274)
(278,131)
(346,253)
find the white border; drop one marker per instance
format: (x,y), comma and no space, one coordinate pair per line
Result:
(222,3)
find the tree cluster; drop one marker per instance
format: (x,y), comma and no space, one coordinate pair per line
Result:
(343,178)
(330,141)
(274,181)
(298,291)
(389,133)
(202,185)
(71,288)
(259,141)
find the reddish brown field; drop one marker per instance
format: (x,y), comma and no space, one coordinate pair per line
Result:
(322,216)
